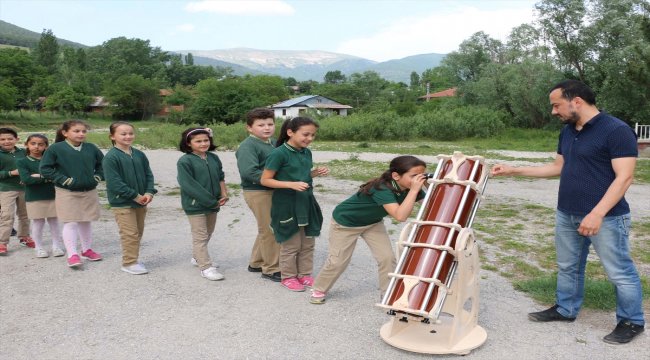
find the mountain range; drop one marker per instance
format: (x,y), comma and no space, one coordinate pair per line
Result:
(299,64)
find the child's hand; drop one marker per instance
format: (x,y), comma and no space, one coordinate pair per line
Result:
(417,182)
(320,171)
(148,198)
(38,176)
(223,200)
(140,200)
(13,172)
(299,186)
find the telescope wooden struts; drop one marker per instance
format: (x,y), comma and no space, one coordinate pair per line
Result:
(433,293)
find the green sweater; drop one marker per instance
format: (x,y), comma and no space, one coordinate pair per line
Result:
(251,157)
(8,160)
(200,182)
(71,169)
(35,188)
(292,209)
(127,176)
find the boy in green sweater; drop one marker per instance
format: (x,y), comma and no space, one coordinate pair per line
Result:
(12,192)
(251,157)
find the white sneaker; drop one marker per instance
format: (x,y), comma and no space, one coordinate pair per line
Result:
(40,253)
(135,269)
(194,263)
(211,273)
(56,252)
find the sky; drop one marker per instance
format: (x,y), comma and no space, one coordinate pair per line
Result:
(378,30)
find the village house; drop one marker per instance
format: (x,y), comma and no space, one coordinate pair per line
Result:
(297,106)
(440,94)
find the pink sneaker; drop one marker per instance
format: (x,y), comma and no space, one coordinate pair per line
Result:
(3,249)
(307,281)
(292,284)
(74,261)
(317,297)
(91,255)
(27,241)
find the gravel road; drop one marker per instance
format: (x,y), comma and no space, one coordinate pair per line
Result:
(49,311)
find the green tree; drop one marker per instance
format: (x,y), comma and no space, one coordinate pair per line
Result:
(221,101)
(438,78)
(17,69)
(182,95)
(67,100)
(47,51)
(120,56)
(266,89)
(474,53)
(415,80)
(8,96)
(134,97)
(620,73)
(334,77)
(524,43)
(563,24)
(189,59)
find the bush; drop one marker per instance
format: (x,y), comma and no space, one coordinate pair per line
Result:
(441,124)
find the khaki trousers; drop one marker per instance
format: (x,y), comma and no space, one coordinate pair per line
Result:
(342,241)
(202,227)
(12,205)
(130,221)
(266,251)
(297,255)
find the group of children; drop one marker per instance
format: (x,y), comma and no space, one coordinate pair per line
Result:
(58,184)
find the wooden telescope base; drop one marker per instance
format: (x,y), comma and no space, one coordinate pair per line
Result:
(430,338)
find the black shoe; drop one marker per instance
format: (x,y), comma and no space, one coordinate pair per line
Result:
(549,314)
(252,269)
(624,333)
(13,232)
(276,276)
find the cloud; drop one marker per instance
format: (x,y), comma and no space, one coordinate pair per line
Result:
(242,7)
(440,32)
(185,27)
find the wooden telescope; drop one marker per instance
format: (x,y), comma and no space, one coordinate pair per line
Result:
(433,293)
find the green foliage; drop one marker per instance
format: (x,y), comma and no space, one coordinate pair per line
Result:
(67,100)
(47,51)
(447,124)
(474,53)
(334,77)
(133,97)
(18,70)
(227,100)
(519,89)
(181,95)
(8,96)
(120,56)
(218,101)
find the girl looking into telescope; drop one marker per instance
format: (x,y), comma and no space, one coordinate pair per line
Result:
(394,193)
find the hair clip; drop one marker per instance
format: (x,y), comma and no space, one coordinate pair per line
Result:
(208,130)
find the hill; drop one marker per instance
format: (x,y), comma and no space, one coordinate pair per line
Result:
(11,34)
(313,64)
(299,64)
(400,69)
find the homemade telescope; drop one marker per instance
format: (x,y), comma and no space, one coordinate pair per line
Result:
(433,295)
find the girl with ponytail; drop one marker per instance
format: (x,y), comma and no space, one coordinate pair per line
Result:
(393,193)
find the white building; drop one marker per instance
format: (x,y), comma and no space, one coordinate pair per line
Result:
(296,107)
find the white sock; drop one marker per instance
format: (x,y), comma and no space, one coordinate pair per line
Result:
(55,232)
(86,235)
(70,238)
(37,232)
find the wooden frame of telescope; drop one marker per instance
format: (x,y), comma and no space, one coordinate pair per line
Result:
(433,295)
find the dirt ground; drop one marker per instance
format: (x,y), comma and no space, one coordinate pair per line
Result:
(48,311)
